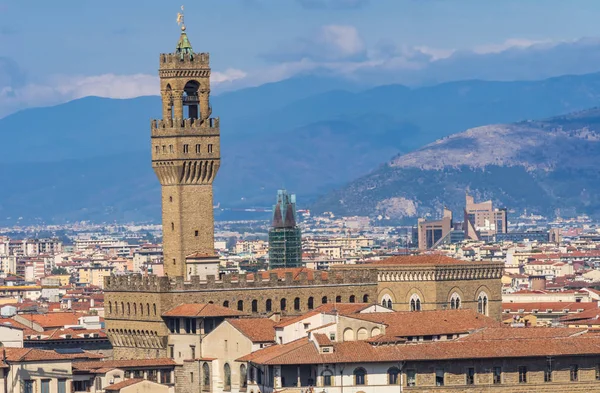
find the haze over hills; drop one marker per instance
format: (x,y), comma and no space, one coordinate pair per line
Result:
(543,166)
(90,159)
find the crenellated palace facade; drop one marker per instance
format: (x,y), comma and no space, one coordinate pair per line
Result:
(434,282)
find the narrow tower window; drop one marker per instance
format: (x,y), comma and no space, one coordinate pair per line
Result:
(170,148)
(198,148)
(196,233)
(210,148)
(164,148)
(186,148)
(172,226)
(157,149)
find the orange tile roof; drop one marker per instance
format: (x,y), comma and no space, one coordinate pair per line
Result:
(256,329)
(509,333)
(322,339)
(54,319)
(56,334)
(589,322)
(586,314)
(123,384)
(429,323)
(33,355)
(303,351)
(202,310)
(90,366)
(11,322)
(290,321)
(554,306)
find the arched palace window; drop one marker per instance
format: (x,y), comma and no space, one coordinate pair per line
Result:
(415,303)
(482,303)
(386,301)
(455,301)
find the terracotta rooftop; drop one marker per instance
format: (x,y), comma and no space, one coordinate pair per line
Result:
(587,314)
(123,384)
(429,323)
(202,310)
(554,306)
(110,364)
(432,260)
(12,323)
(290,321)
(256,329)
(303,351)
(509,333)
(322,339)
(33,355)
(54,319)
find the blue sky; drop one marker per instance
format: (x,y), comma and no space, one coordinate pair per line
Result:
(65,49)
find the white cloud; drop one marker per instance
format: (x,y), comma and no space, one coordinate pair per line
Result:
(512,43)
(61,88)
(328,43)
(345,39)
(227,76)
(107,85)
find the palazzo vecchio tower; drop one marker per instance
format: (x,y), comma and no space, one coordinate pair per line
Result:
(186,159)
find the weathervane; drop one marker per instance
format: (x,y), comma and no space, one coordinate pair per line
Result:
(180,19)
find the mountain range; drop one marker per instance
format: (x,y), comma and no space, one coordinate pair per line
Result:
(89,158)
(548,166)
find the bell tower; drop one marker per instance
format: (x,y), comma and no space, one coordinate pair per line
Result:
(186,159)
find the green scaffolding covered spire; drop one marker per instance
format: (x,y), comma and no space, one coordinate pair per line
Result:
(184,46)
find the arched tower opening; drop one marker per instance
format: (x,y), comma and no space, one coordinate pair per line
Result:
(191,100)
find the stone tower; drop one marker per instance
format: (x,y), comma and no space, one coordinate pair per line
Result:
(186,158)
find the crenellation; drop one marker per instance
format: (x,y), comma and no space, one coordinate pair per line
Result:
(289,278)
(151,283)
(176,126)
(181,61)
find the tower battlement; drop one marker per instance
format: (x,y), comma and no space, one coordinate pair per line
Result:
(184,60)
(184,127)
(151,283)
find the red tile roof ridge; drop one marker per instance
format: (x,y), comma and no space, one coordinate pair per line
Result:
(299,318)
(322,339)
(256,329)
(321,327)
(304,352)
(91,365)
(123,384)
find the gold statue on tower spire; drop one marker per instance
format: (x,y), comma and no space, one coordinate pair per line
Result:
(180,19)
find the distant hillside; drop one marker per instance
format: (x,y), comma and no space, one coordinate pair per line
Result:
(540,166)
(308,134)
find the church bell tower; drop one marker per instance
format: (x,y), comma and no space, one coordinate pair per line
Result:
(186,159)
